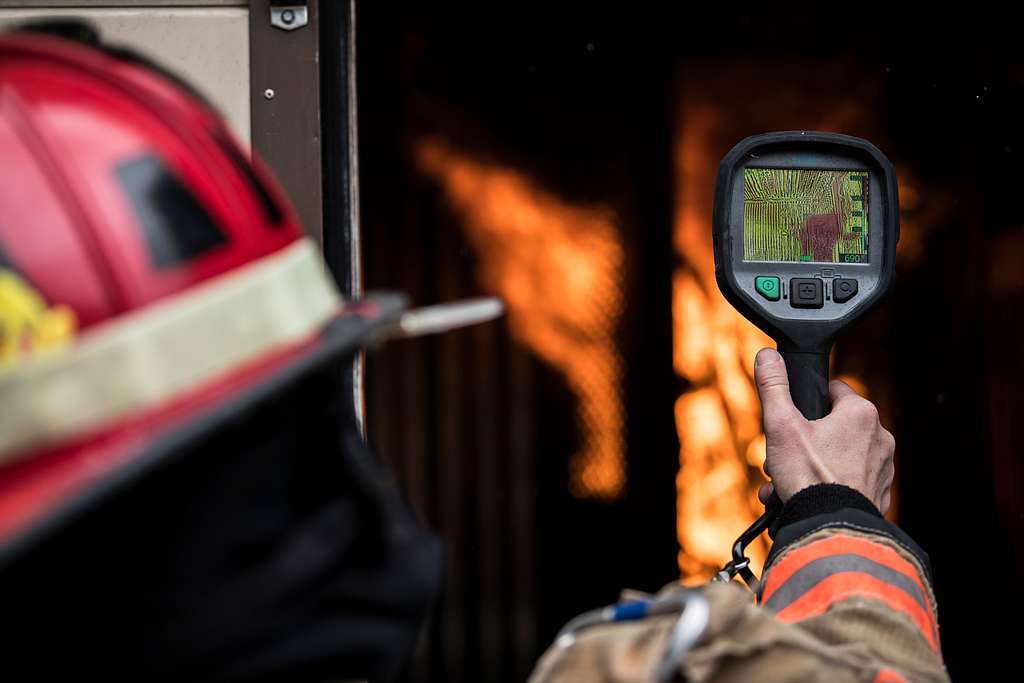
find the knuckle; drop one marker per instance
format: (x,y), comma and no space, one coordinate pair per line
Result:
(889,441)
(865,412)
(772,379)
(771,375)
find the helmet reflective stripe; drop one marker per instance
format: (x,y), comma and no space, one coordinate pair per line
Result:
(145,358)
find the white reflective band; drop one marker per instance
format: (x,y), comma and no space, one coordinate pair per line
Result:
(145,358)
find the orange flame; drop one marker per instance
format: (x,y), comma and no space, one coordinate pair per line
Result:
(718,420)
(559,269)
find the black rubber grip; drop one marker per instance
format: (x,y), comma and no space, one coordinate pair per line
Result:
(808,382)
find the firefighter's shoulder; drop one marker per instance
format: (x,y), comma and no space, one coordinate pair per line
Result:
(712,633)
(838,602)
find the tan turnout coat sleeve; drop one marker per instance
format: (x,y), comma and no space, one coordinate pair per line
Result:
(839,605)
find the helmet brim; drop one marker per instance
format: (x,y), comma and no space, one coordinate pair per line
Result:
(42,494)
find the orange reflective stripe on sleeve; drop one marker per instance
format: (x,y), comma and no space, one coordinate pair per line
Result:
(842,586)
(837,544)
(807,581)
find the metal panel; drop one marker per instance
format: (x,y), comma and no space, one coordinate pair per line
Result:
(208,46)
(286,108)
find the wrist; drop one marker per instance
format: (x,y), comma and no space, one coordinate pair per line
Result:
(824,506)
(821,499)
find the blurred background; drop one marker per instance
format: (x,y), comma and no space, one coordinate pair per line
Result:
(606,434)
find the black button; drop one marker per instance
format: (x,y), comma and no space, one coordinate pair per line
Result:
(844,289)
(806,292)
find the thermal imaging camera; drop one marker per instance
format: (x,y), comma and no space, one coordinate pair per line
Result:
(805,227)
(805,230)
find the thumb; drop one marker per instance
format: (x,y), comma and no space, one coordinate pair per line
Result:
(773,388)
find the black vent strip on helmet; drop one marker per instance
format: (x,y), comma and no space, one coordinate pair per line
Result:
(243,166)
(176,227)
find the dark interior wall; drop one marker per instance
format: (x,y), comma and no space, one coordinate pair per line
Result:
(953,103)
(587,103)
(478,427)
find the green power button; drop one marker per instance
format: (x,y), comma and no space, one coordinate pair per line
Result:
(767,286)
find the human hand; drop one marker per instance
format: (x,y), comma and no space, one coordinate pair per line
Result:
(848,446)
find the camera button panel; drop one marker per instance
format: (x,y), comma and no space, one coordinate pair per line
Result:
(806,292)
(768,286)
(843,289)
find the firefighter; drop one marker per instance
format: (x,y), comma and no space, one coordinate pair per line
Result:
(184,492)
(845,595)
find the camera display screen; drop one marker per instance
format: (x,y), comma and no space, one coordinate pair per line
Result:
(803,215)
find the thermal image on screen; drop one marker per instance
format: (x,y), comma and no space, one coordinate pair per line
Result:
(794,214)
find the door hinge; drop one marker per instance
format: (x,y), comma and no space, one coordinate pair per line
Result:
(288,15)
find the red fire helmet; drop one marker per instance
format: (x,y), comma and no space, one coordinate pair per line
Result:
(149,273)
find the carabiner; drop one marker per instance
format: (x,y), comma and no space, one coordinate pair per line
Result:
(740,563)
